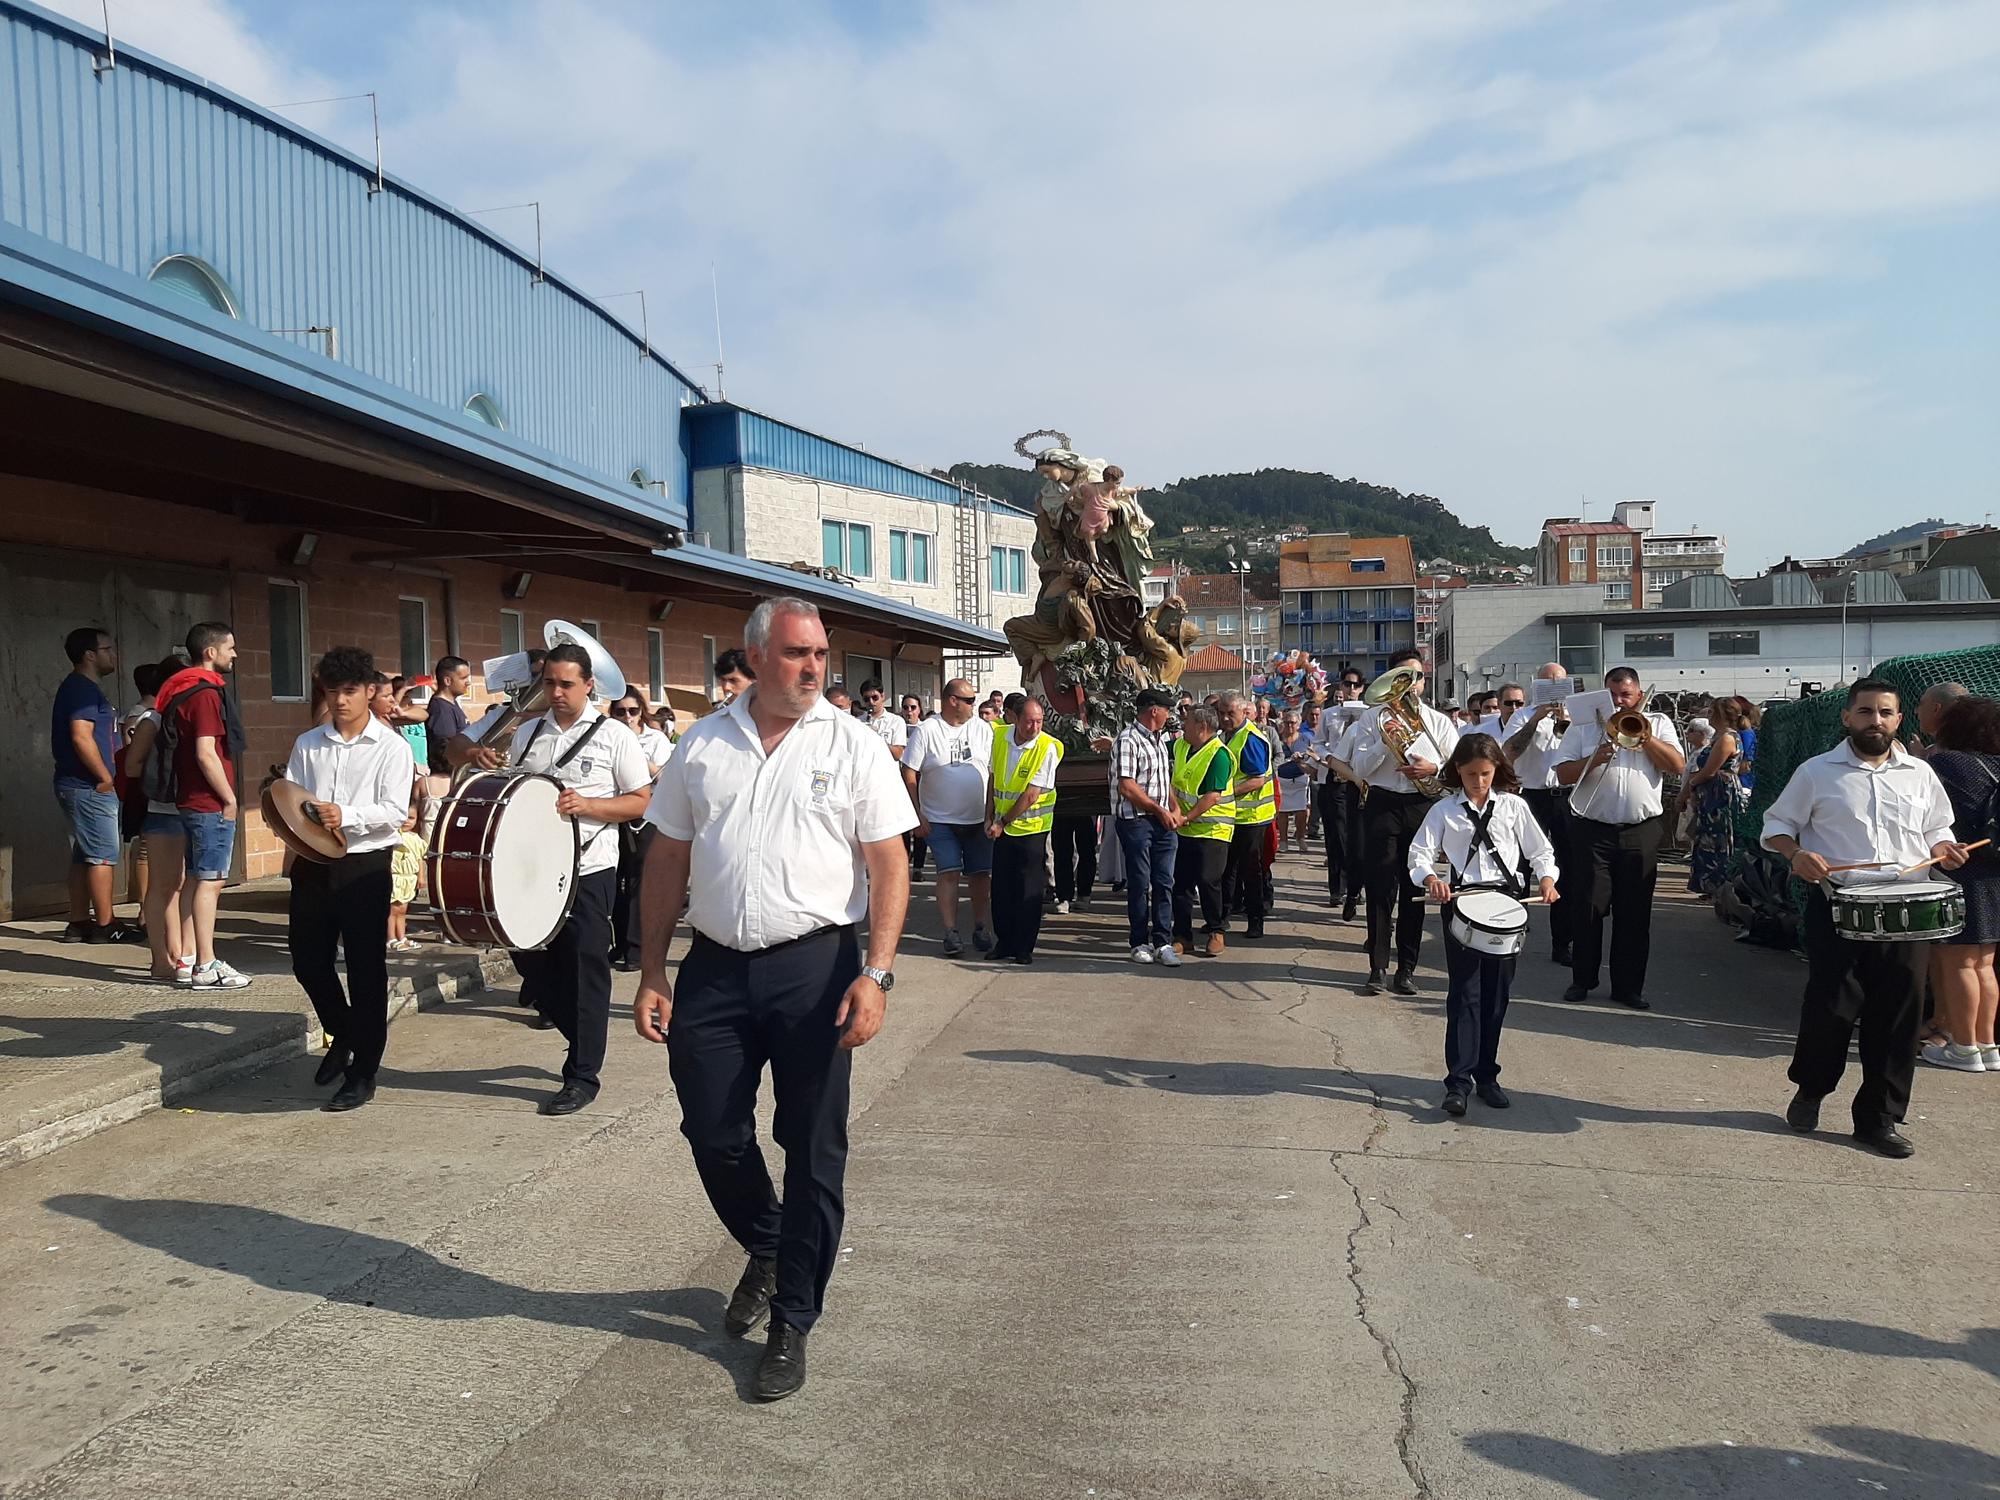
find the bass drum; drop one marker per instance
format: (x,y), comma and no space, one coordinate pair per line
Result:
(500,864)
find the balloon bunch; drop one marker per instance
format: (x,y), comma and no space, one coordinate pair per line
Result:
(1289,678)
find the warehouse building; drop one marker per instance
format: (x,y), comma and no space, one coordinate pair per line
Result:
(246,376)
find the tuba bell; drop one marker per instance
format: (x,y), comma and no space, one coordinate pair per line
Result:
(1396,691)
(607,681)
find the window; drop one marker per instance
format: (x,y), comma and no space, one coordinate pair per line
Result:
(910,557)
(415,618)
(481,408)
(594,629)
(1733,642)
(1614,557)
(1225,624)
(862,669)
(1579,648)
(638,477)
(1010,570)
(1579,555)
(1618,593)
(848,547)
(1649,643)
(288,640)
(510,631)
(656,666)
(197,281)
(1368,565)
(1659,578)
(708,666)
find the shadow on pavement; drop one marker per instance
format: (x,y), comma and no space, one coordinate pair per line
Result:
(352,1267)
(1416,1098)
(1895,1463)
(86,1036)
(1980,1348)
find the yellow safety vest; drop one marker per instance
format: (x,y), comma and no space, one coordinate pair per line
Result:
(1219,822)
(1007,789)
(1260,806)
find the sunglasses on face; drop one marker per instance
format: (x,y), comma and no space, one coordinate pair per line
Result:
(626,713)
(956,698)
(1513,702)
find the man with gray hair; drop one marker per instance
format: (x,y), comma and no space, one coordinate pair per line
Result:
(1203,773)
(1931,709)
(781,825)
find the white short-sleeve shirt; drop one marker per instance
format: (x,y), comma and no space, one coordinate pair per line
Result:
(1625,789)
(777,840)
(889,729)
(1535,765)
(611,765)
(1376,763)
(952,762)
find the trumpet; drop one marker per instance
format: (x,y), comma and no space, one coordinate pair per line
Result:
(1395,690)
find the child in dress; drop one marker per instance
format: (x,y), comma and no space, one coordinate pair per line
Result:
(1485,832)
(1090,503)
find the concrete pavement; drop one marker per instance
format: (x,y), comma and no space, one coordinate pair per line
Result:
(1112,1231)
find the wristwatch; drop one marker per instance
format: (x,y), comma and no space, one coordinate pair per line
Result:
(884,980)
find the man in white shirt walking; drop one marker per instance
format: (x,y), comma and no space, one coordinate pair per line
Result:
(892,729)
(947,766)
(1340,798)
(604,781)
(781,825)
(1617,825)
(1867,800)
(359,774)
(1532,738)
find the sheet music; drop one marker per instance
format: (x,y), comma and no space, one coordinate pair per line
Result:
(1550,690)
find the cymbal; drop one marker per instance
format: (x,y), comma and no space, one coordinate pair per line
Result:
(284,807)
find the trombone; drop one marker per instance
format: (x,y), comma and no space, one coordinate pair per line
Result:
(1628,729)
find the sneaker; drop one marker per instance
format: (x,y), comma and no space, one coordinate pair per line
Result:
(1168,954)
(1991,1052)
(953,944)
(1142,955)
(1062,908)
(184,974)
(217,975)
(1951,1055)
(76,932)
(982,940)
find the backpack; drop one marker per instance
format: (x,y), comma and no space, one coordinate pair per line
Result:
(162,774)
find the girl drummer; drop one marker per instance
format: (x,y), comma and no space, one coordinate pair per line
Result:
(1483,834)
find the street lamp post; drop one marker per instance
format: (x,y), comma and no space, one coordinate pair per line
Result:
(1241,568)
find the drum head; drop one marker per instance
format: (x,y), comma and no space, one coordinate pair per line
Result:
(1911,889)
(1493,910)
(531,868)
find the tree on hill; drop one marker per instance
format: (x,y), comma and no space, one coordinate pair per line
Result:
(1272,499)
(1898,537)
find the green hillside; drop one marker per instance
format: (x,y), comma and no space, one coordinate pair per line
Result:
(1272,499)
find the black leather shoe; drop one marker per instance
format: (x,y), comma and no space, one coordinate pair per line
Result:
(1493,1096)
(1560,957)
(1347,912)
(750,1303)
(782,1370)
(1576,993)
(332,1065)
(1374,983)
(1888,1140)
(1802,1114)
(350,1095)
(565,1101)
(1634,1002)
(1402,984)
(1454,1104)
(624,966)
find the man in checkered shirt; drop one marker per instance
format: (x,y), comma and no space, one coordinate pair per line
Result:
(1142,803)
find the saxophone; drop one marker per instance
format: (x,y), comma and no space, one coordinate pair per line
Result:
(1402,724)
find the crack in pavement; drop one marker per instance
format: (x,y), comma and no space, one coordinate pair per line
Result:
(1392,1358)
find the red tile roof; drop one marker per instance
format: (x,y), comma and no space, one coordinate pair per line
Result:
(1218,591)
(1325,562)
(1214,658)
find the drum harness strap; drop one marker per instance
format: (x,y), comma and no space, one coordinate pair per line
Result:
(1482,833)
(566,757)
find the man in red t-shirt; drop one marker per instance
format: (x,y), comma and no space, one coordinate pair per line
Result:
(205,787)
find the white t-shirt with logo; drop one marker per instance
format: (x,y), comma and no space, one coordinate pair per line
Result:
(611,765)
(953,763)
(889,728)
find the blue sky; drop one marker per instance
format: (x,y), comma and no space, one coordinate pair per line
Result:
(1739,258)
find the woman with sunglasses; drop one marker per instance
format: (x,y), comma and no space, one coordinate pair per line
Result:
(630,709)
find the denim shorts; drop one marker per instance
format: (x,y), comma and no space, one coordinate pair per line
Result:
(211,839)
(962,846)
(93,823)
(163,825)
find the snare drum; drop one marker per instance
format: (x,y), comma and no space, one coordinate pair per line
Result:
(500,863)
(1490,922)
(1898,911)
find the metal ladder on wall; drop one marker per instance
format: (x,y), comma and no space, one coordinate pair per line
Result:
(969,600)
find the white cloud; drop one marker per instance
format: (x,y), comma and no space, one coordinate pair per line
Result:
(1503,252)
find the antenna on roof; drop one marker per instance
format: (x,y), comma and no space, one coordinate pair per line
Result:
(104,64)
(510,207)
(374,117)
(645,328)
(715,290)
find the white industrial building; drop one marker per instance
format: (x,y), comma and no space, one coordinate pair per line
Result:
(1766,637)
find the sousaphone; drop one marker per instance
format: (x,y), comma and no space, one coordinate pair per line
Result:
(608,682)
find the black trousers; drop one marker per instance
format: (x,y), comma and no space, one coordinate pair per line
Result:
(1340,821)
(345,903)
(1878,987)
(1389,824)
(1617,866)
(1020,876)
(1243,883)
(632,846)
(1076,857)
(571,978)
(1551,810)
(734,1012)
(1475,1010)
(1199,867)
(918,846)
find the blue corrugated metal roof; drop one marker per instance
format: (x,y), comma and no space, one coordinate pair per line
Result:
(727,434)
(144,161)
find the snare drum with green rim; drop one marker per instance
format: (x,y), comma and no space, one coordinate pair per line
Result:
(1900,911)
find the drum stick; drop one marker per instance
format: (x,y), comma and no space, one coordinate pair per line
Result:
(1912,869)
(1874,864)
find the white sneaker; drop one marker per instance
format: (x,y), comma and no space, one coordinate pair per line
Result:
(1992,1054)
(1164,954)
(1951,1055)
(1142,955)
(217,975)
(1062,908)
(184,974)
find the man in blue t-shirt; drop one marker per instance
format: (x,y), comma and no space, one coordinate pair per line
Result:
(83,744)
(447,718)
